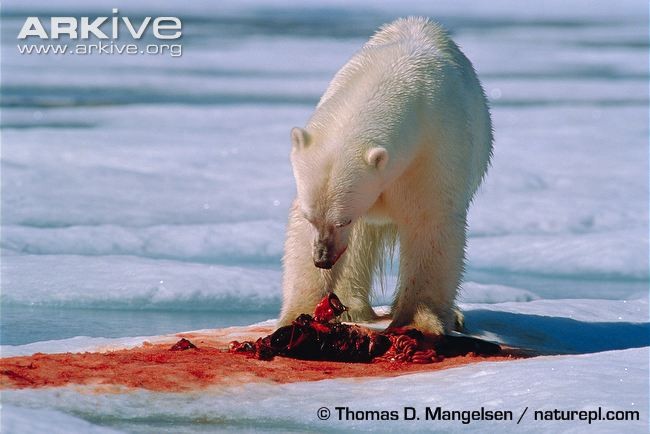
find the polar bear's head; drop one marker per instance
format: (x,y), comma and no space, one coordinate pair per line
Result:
(337,184)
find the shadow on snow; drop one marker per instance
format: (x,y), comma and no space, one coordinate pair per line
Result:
(556,335)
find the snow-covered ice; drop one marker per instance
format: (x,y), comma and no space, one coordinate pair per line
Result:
(612,380)
(146,195)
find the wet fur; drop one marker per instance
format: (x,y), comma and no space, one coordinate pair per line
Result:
(412,92)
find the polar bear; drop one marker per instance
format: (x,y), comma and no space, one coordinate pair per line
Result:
(394,152)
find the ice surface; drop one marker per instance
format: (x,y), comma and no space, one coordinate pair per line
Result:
(563,326)
(78,344)
(143,194)
(28,421)
(123,282)
(545,326)
(545,383)
(614,380)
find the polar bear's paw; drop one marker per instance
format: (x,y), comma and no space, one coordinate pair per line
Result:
(423,319)
(359,311)
(459,320)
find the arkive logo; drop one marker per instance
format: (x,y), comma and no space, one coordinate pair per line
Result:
(83,28)
(113,34)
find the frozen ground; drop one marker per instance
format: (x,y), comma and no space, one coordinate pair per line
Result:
(146,195)
(599,359)
(539,384)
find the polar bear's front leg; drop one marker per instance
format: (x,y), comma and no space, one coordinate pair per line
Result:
(303,284)
(361,261)
(431,265)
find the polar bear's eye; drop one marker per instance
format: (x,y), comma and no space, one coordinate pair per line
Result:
(340,225)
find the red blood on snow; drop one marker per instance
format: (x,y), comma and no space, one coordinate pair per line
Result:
(210,364)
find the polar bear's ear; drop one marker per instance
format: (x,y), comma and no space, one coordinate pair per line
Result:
(299,138)
(377,157)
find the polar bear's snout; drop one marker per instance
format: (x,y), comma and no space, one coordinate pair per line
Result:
(323,257)
(326,250)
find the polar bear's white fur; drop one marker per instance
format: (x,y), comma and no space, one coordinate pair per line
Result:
(394,151)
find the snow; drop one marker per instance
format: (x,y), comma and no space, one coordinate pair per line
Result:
(27,420)
(78,344)
(563,326)
(544,383)
(143,196)
(123,281)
